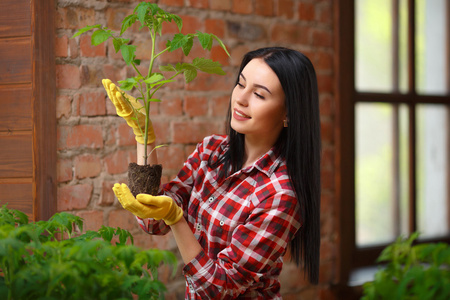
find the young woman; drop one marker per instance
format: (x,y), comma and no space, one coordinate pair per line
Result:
(241,200)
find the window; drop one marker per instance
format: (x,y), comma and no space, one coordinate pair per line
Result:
(395,125)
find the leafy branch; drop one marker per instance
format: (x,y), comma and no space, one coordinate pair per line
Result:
(152,17)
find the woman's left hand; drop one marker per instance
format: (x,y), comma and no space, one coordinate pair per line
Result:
(147,206)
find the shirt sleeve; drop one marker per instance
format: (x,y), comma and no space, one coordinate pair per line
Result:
(256,247)
(179,190)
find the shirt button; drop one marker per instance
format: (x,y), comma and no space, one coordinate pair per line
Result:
(199,227)
(221,223)
(211,199)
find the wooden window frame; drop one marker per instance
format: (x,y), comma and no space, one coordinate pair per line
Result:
(43,109)
(352,257)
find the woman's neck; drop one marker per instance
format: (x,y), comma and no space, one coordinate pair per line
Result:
(254,149)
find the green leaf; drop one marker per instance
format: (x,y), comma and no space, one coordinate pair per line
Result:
(128,53)
(190,74)
(208,66)
(221,44)
(205,40)
(187,46)
(128,84)
(168,68)
(141,10)
(179,40)
(127,22)
(99,36)
(85,29)
(154,78)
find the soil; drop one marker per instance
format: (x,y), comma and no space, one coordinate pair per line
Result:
(144,179)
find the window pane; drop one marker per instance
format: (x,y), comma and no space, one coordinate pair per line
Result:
(432,170)
(431,47)
(373,45)
(381,172)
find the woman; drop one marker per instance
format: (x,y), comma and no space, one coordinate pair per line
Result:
(241,199)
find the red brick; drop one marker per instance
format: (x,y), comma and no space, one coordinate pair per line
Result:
(325,83)
(216,27)
(220,5)
(323,61)
(192,132)
(327,131)
(87,50)
(327,179)
(162,132)
(285,8)
(125,135)
(242,7)
(64,170)
(220,106)
(199,3)
(80,136)
(170,57)
(306,11)
(143,47)
(74,17)
(219,55)
(322,38)
(324,13)
(87,166)
(107,197)
(291,34)
(209,82)
(191,24)
(327,158)
(171,107)
(61,46)
(195,106)
(326,103)
(237,53)
(72,197)
(123,219)
(68,77)
(178,3)
(264,7)
(111,52)
(118,161)
(93,220)
(63,106)
(91,104)
(115,16)
(171,157)
(113,73)
(73,48)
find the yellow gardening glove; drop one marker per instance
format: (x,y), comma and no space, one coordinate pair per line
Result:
(147,206)
(124,110)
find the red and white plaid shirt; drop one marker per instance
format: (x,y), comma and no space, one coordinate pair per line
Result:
(243,223)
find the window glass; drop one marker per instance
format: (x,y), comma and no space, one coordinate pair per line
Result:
(431,47)
(373,45)
(432,170)
(381,172)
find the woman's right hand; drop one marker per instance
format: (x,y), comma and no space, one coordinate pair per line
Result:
(131,110)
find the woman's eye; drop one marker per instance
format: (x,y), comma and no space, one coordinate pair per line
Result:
(240,85)
(259,96)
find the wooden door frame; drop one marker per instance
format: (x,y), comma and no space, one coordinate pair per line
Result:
(43,108)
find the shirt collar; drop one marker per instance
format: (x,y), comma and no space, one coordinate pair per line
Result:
(267,163)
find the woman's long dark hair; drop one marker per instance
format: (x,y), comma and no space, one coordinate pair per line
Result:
(299,144)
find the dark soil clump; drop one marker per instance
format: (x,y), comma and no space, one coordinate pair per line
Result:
(144,179)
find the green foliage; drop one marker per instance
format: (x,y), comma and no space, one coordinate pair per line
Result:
(412,272)
(152,17)
(38,262)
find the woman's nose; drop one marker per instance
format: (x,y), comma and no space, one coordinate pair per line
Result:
(241,97)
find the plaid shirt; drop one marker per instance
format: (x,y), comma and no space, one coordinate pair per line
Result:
(243,223)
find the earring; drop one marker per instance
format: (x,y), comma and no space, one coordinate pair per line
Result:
(285,123)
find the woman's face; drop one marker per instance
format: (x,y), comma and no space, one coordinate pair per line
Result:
(257,102)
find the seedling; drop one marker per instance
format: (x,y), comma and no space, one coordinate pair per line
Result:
(152,17)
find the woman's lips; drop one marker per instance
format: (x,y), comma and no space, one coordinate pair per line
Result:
(240,116)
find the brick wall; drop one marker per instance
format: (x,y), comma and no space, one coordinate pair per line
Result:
(95,146)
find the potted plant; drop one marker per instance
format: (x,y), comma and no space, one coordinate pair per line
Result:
(419,271)
(46,260)
(146,179)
